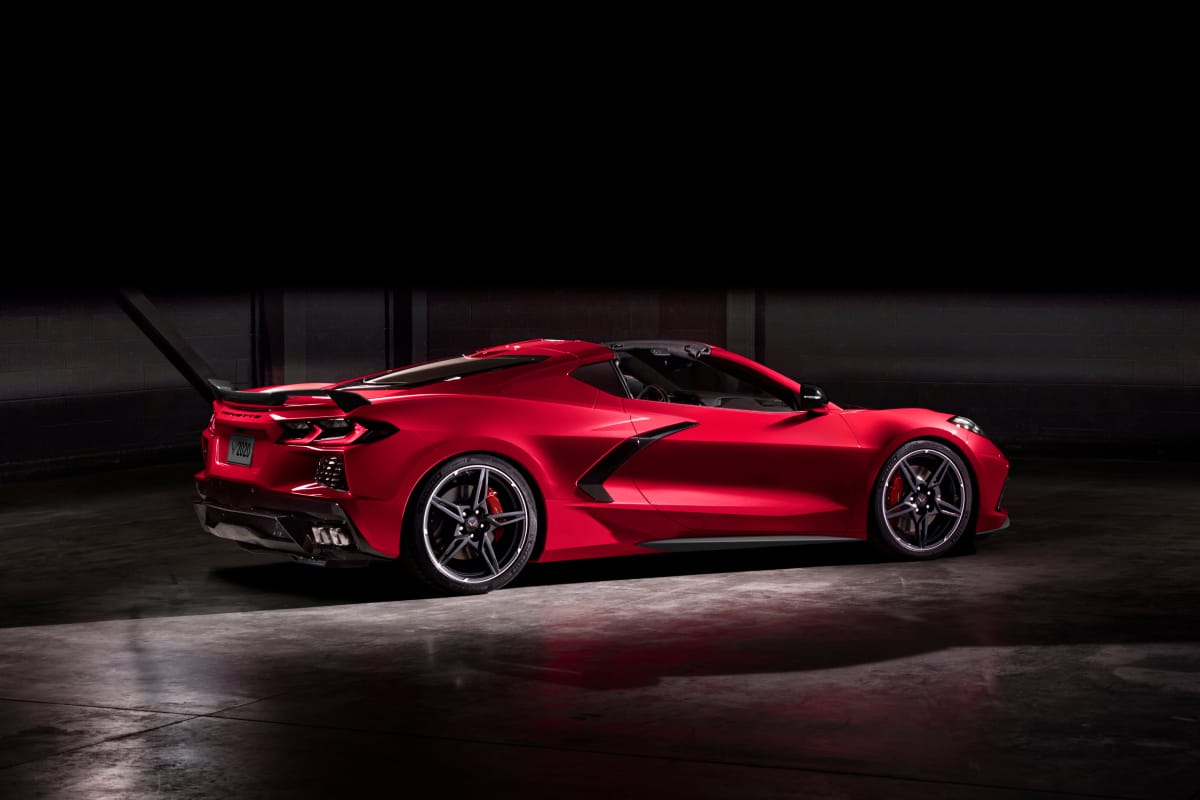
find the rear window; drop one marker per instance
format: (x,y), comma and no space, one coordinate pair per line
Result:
(603,376)
(445,369)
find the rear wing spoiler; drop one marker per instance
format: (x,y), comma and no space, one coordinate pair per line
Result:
(346,401)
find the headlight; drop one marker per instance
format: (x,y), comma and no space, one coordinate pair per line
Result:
(969,424)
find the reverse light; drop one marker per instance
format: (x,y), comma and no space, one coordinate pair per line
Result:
(968,424)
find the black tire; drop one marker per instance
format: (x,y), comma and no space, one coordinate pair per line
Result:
(921,503)
(473,526)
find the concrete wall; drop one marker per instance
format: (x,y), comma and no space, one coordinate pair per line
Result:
(81,385)
(462,321)
(1032,369)
(333,334)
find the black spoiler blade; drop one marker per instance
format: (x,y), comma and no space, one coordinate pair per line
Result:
(346,401)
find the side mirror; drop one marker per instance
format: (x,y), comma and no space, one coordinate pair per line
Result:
(811,397)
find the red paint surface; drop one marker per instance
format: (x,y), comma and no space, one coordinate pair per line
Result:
(733,472)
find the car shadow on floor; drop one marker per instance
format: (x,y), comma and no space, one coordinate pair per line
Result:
(384,582)
(264,585)
(661,565)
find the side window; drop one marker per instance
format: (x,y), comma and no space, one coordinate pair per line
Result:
(603,376)
(706,381)
(743,388)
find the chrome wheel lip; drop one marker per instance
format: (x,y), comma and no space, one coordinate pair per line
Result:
(471,512)
(930,494)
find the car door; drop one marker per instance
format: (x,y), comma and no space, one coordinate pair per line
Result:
(727,470)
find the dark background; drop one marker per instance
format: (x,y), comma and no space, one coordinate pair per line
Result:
(1001,241)
(1103,372)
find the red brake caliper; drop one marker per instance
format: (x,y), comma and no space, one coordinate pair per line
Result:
(894,491)
(494,507)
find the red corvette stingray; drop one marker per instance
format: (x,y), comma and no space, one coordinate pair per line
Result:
(466,468)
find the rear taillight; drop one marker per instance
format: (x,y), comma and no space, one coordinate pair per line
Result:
(334,428)
(294,430)
(333,431)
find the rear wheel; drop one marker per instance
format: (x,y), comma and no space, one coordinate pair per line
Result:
(921,503)
(474,526)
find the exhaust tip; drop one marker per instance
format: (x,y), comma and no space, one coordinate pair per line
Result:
(332,535)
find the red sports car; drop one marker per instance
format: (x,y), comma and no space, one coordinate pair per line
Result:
(465,469)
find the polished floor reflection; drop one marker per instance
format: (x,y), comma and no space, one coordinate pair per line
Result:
(139,658)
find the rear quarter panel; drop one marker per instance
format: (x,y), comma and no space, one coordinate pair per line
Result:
(553,442)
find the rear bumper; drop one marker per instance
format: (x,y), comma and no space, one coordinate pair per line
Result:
(280,523)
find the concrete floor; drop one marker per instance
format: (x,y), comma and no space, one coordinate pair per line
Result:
(141,658)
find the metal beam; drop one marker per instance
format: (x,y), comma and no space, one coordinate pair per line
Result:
(168,341)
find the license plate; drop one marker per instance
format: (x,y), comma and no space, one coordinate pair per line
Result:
(241,450)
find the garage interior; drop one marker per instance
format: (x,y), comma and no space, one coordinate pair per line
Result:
(1058,658)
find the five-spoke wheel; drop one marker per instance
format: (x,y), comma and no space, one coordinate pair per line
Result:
(474,526)
(922,500)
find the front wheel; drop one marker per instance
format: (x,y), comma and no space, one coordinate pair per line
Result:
(921,503)
(474,526)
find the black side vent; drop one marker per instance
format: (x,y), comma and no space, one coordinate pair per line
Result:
(331,472)
(592,483)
